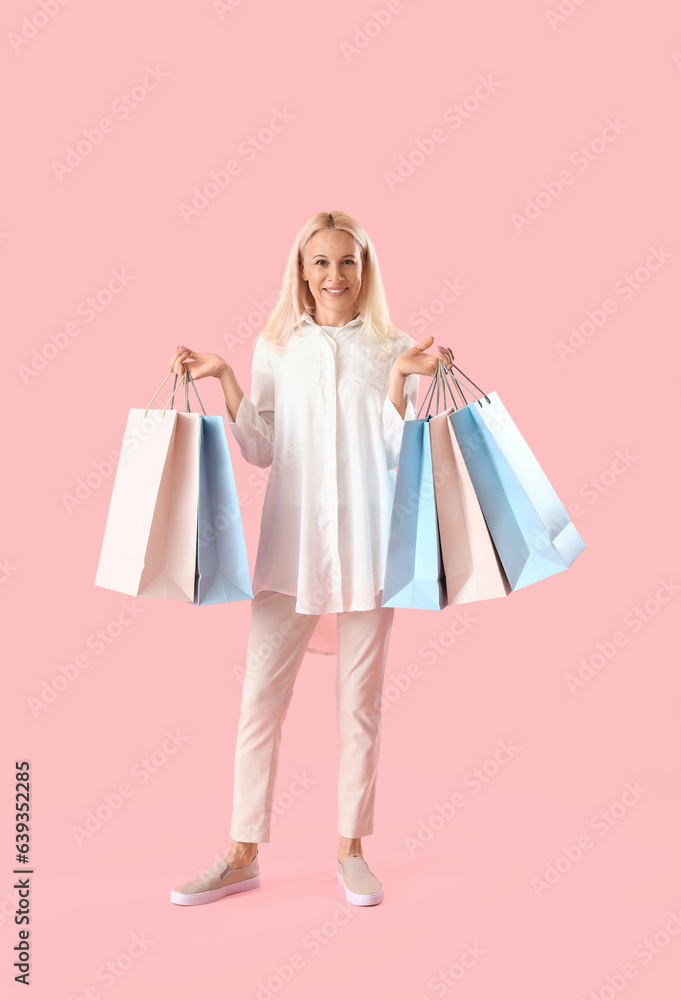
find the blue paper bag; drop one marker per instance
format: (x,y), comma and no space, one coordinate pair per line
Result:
(222,572)
(529,525)
(414,574)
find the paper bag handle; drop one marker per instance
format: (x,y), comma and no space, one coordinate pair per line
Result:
(462,389)
(450,359)
(186,379)
(440,377)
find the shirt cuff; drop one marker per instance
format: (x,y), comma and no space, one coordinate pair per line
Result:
(392,426)
(239,411)
(253,434)
(391,414)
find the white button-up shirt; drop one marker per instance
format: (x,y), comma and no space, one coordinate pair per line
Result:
(319,413)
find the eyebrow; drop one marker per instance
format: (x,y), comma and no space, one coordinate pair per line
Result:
(326,255)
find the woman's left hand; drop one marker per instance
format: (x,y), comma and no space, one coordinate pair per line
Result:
(415,361)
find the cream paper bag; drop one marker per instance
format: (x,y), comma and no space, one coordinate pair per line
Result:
(473,571)
(150,538)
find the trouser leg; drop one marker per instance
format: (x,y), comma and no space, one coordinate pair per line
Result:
(277,642)
(363,640)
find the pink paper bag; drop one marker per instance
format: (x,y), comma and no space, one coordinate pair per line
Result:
(149,546)
(473,570)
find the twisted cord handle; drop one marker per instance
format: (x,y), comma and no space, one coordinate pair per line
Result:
(186,379)
(444,374)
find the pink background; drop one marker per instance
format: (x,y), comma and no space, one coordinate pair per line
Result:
(552,88)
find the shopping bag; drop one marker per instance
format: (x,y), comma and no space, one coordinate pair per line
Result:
(149,547)
(414,574)
(473,570)
(174,476)
(530,527)
(222,562)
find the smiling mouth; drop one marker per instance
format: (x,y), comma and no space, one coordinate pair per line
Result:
(334,291)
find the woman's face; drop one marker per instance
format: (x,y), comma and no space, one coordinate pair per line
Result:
(332,267)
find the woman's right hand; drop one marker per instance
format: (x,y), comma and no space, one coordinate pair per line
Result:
(199,365)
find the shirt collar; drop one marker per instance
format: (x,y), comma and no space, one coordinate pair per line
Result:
(357,321)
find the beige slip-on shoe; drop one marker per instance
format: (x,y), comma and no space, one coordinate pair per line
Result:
(220,880)
(361,885)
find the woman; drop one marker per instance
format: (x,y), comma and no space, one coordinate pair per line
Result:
(332,384)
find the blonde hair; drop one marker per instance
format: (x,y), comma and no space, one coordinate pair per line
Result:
(295,298)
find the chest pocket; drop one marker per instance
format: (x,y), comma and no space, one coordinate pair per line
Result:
(299,368)
(367,366)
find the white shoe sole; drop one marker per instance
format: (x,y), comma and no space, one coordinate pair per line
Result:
(196,898)
(360,900)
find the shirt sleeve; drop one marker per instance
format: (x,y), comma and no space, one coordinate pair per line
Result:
(253,427)
(392,424)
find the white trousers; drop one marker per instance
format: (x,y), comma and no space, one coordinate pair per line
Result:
(277,643)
